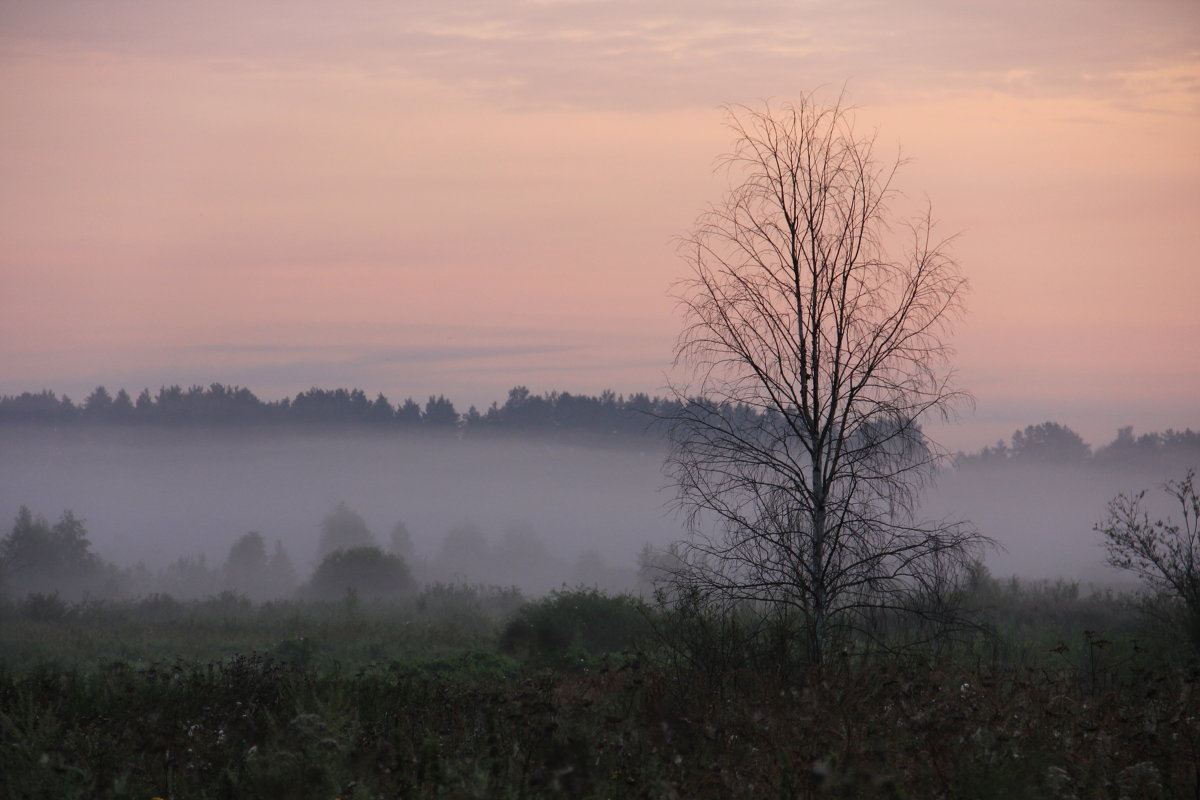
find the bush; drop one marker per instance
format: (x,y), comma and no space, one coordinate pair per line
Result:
(582,620)
(157,608)
(1163,553)
(472,609)
(41,607)
(371,573)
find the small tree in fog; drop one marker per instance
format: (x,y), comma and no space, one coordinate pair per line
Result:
(1163,553)
(189,577)
(401,543)
(812,355)
(521,558)
(343,529)
(464,554)
(281,574)
(246,567)
(591,570)
(246,561)
(371,573)
(39,557)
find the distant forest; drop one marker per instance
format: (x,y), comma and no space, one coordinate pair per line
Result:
(609,414)
(552,414)
(1052,443)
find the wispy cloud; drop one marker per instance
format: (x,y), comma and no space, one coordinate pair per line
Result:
(655,52)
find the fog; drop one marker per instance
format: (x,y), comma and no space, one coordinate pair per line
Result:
(1041,516)
(152,497)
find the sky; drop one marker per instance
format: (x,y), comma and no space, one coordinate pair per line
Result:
(419,197)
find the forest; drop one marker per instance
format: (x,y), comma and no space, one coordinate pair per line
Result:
(233,406)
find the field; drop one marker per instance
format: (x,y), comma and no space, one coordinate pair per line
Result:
(471,692)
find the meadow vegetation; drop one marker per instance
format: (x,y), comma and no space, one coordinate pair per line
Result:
(466,691)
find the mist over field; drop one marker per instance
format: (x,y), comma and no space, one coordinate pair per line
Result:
(1041,516)
(153,496)
(542,506)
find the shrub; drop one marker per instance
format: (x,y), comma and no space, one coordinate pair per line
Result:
(157,608)
(1165,554)
(371,573)
(44,607)
(584,620)
(471,609)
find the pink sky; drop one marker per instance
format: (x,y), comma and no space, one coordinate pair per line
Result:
(429,197)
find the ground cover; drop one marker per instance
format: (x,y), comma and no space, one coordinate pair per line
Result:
(470,693)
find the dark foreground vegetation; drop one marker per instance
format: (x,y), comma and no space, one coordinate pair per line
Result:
(471,692)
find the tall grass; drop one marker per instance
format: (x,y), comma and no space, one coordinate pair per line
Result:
(468,692)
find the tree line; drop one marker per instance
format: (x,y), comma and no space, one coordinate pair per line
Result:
(608,413)
(1051,443)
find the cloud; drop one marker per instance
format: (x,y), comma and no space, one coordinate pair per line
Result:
(652,53)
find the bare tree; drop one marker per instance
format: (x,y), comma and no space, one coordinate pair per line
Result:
(811,355)
(1163,553)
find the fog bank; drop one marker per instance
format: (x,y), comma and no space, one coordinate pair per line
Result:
(152,497)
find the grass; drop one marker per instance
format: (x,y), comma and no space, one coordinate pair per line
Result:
(469,693)
(442,620)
